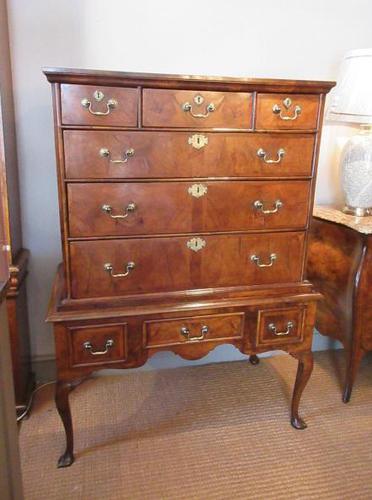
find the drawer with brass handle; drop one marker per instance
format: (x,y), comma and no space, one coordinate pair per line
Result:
(89,105)
(120,209)
(117,267)
(112,154)
(281,326)
(197,329)
(96,344)
(198,109)
(284,112)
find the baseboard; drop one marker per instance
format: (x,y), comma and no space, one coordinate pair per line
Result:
(44,368)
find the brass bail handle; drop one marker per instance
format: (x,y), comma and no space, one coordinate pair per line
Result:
(98,96)
(105,153)
(272,328)
(261,153)
(287,103)
(89,347)
(256,259)
(260,206)
(187,334)
(107,209)
(198,100)
(108,267)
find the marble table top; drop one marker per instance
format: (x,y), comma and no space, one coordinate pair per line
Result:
(333,214)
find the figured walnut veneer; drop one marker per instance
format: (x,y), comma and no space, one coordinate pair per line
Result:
(184,207)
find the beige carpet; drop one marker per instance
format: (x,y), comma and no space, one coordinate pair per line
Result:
(211,432)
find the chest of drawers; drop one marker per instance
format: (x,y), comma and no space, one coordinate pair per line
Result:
(184,206)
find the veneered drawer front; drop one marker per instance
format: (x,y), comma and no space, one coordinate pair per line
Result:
(280,326)
(282,112)
(98,344)
(168,332)
(197,109)
(89,105)
(94,154)
(133,208)
(118,267)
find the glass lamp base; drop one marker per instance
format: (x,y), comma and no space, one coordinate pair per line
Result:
(357,211)
(356,173)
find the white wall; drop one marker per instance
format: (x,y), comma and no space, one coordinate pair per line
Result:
(271,38)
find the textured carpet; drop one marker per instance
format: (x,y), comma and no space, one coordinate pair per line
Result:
(209,432)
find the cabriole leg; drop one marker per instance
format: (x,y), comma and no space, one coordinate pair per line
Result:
(354,358)
(253,359)
(305,367)
(63,390)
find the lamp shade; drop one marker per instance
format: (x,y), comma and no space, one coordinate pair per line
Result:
(352,97)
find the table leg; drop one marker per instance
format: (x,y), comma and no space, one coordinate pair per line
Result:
(355,356)
(304,370)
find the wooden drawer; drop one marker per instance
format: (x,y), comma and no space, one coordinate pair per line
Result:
(184,263)
(286,111)
(92,154)
(200,329)
(280,326)
(89,105)
(97,344)
(184,207)
(197,109)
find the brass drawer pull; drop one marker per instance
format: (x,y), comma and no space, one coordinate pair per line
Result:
(186,333)
(88,347)
(129,267)
(259,205)
(111,104)
(256,260)
(261,153)
(131,207)
(187,107)
(272,328)
(105,153)
(287,103)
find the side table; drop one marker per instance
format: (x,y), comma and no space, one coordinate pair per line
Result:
(340,266)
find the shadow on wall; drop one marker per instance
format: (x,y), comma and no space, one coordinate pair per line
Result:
(51,40)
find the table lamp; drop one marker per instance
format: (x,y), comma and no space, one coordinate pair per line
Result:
(352,102)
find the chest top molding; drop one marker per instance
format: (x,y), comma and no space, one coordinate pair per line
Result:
(157,80)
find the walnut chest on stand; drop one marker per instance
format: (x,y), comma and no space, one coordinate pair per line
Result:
(185,205)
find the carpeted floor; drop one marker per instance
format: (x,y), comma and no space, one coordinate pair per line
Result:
(210,432)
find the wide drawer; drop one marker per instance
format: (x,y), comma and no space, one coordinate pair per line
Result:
(106,343)
(280,326)
(197,109)
(283,111)
(133,208)
(89,105)
(113,154)
(118,267)
(200,329)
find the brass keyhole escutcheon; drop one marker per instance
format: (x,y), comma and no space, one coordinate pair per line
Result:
(98,95)
(198,99)
(287,102)
(196,244)
(197,190)
(198,141)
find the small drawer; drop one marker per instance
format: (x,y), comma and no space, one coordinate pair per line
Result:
(280,326)
(198,109)
(89,105)
(91,345)
(178,331)
(284,112)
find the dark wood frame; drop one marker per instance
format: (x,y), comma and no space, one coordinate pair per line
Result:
(17,256)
